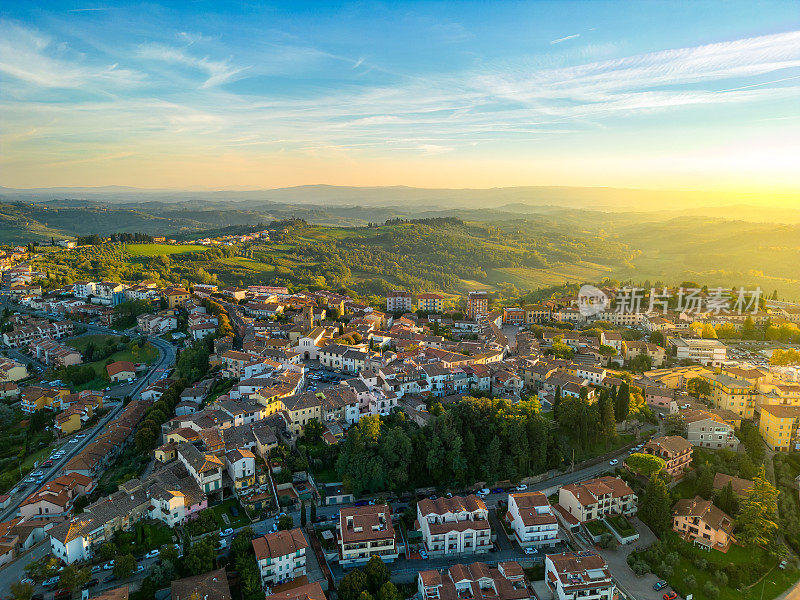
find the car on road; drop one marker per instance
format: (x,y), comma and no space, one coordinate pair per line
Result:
(613,462)
(483,492)
(521,487)
(108,566)
(47,463)
(531,550)
(152,554)
(423,555)
(27,580)
(139,569)
(497,491)
(226,532)
(36,474)
(670,595)
(659,585)
(97,568)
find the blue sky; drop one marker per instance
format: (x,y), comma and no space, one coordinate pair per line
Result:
(702,95)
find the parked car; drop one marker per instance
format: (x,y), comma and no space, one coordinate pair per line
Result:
(226,532)
(659,585)
(613,462)
(97,568)
(670,596)
(152,554)
(423,555)
(497,491)
(531,550)
(51,582)
(139,569)
(483,492)
(521,487)
(108,566)
(92,582)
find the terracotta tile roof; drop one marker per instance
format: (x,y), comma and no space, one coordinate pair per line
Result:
(208,586)
(280,543)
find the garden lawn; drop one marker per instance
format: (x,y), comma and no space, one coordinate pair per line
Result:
(596,527)
(775,582)
(146,354)
(621,525)
(225,507)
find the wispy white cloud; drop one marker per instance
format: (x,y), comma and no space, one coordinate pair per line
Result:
(30,56)
(218,71)
(564,39)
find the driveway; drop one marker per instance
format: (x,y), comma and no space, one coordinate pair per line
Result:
(640,588)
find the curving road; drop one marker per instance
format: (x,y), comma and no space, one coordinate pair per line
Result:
(166,359)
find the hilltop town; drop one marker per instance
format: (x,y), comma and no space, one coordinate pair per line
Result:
(286,443)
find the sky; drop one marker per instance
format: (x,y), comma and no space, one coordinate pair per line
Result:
(248,95)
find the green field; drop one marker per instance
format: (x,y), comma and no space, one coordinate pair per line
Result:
(146,354)
(99,339)
(159,249)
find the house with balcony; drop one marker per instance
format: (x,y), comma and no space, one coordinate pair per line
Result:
(578,575)
(365,531)
(454,526)
(281,556)
(778,426)
(206,469)
(477,581)
(676,452)
(532,519)
(701,522)
(708,430)
(241,466)
(595,499)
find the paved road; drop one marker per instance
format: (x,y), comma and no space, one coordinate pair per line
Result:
(166,357)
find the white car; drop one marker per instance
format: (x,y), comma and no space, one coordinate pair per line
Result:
(139,569)
(483,492)
(151,554)
(531,551)
(521,487)
(108,566)
(226,532)
(613,462)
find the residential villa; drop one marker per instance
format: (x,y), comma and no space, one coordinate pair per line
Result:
(595,499)
(703,523)
(532,519)
(452,526)
(281,556)
(676,452)
(578,575)
(366,531)
(477,581)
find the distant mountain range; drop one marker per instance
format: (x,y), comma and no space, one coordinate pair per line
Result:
(772,207)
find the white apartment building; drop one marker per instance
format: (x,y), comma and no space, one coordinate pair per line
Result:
(708,352)
(578,575)
(457,525)
(532,519)
(399,301)
(83,289)
(366,531)
(281,556)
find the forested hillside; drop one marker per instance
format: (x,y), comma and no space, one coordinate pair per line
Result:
(512,254)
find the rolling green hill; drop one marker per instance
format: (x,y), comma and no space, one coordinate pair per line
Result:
(452,256)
